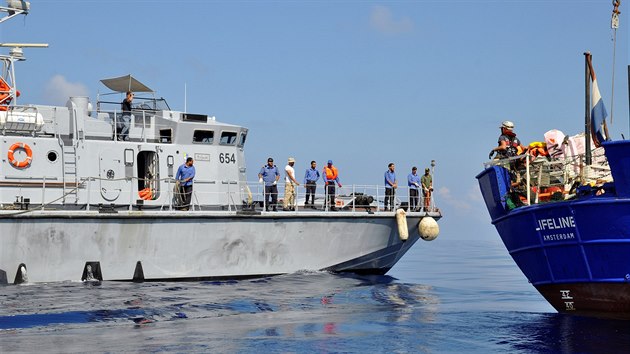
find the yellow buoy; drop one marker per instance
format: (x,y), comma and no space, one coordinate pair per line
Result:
(401,220)
(428,228)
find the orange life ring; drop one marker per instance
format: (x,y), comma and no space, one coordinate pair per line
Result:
(24,163)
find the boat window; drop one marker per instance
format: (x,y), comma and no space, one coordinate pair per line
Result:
(166,135)
(228,138)
(243,137)
(203,137)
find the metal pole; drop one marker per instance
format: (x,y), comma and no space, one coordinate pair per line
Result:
(629,97)
(432,200)
(587,109)
(43,192)
(529,185)
(89,188)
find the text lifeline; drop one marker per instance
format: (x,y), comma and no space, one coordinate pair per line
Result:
(555,223)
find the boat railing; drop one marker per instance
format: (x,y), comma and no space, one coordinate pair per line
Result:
(146,124)
(543,179)
(355,198)
(236,196)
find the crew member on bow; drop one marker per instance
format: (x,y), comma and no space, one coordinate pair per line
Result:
(508,145)
(331,176)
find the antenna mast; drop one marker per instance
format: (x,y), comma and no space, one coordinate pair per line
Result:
(614,24)
(13,8)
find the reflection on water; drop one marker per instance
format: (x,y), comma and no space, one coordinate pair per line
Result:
(320,309)
(479,308)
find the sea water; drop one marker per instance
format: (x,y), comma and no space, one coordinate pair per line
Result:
(446,296)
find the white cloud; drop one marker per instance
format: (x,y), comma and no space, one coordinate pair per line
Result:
(445,196)
(57,90)
(382,20)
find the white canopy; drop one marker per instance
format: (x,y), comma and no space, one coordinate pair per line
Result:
(125,83)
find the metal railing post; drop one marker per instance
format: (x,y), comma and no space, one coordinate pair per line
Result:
(130,194)
(43,192)
(528,179)
(228,197)
(354,201)
(144,134)
(115,126)
(89,184)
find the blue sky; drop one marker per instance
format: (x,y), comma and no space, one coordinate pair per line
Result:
(362,83)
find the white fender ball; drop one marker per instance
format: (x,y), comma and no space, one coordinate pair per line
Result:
(428,228)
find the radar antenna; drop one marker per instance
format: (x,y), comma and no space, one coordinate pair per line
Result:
(8,88)
(14,8)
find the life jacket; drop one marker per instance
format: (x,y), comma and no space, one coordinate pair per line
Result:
(513,146)
(538,148)
(331,173)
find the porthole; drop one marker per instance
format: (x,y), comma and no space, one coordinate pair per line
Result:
(52,156)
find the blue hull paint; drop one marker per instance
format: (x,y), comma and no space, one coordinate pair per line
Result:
(577,252)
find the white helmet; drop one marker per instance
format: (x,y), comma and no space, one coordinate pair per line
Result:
(507,125)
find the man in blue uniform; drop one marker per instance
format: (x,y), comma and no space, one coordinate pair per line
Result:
(270,175)
(185,175)
(390,186)
(310,183)
(413,181)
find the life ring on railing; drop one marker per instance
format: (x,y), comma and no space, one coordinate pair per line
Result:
(24,163)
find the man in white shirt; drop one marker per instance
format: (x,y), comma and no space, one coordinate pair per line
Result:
(289,186)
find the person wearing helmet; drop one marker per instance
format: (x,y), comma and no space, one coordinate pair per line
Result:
(509,144)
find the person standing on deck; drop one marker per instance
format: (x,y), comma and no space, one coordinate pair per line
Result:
(269,175)
(185,175)
(310,183)
(427,188)
(508,145)
(413,181)
(125,119)
(289,185)
(390,186)
(331,176)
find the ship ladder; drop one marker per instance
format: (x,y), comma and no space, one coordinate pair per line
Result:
(70,180)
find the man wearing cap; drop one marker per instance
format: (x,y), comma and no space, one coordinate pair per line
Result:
(391,183)
(413,181)
(310,183)
(427,188)
(331,176)
(509,144)
(289,185)
(269,175)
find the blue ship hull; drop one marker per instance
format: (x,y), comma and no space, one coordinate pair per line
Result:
(576,252)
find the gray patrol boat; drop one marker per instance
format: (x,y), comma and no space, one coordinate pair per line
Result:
(76,203)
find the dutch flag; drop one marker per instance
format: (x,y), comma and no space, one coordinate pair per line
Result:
(599,130)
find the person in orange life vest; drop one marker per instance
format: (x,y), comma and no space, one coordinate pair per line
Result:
(509,144)
(331,176)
